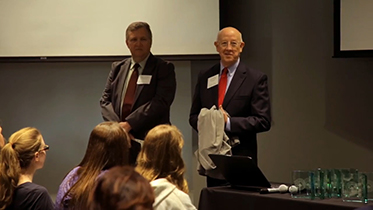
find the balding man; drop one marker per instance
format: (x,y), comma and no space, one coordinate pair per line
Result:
(240,92)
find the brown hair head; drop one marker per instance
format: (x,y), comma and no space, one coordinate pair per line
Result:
(160,156)
(122,188)
(108,146)
(137,25)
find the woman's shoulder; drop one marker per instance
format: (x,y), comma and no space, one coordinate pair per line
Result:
(184,198)
(32,196)
(68,181)
(73,171)
(66,184)
(71,176)
(169,196)
(31,187)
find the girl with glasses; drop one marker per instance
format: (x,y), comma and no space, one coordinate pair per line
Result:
(20,158)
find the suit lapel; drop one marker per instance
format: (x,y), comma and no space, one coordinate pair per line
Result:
(235,84)
(213,92)
(123,73)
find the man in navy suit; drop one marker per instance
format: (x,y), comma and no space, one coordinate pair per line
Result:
(153,90)
(244,102)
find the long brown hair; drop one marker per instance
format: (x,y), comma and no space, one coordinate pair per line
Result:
(122,188)
(15,156)
(160,156)
(108,146)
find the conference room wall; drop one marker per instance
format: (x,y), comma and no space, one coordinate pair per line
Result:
(321,106)
(62,100)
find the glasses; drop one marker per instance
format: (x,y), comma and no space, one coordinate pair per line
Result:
(233,44)
(46,148)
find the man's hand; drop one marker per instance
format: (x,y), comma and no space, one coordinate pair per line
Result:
(225,114)
(127,127)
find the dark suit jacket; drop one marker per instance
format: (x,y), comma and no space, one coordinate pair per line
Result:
(246,101)
(152,101)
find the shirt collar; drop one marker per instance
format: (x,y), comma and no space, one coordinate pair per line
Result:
(141,63)
(231,69)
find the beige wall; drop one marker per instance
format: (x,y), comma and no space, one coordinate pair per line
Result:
(321,106)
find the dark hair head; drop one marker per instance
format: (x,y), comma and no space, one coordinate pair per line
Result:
(137,25)
(122,188)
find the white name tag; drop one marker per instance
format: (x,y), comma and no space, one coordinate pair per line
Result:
(212,81)
(144,79)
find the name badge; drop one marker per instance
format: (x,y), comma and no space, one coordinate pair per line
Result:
(212,81)
(144,79)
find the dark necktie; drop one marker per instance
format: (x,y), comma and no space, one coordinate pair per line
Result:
(130,93)
(222,86)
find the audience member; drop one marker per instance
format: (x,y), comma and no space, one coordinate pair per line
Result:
(2,140)
(20,158)
(122,188)
(107,147)
(161,163)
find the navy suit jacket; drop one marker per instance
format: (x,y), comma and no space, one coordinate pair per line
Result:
(152,101)
(246,101)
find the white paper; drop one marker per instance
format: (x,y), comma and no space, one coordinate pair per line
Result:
(144,79)
(212,81)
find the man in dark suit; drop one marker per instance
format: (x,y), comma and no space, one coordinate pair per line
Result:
(139,90)
(240,92)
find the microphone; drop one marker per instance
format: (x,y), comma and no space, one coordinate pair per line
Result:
(293,189)
(281,189)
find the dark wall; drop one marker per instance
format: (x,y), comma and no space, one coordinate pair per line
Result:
(321,106)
